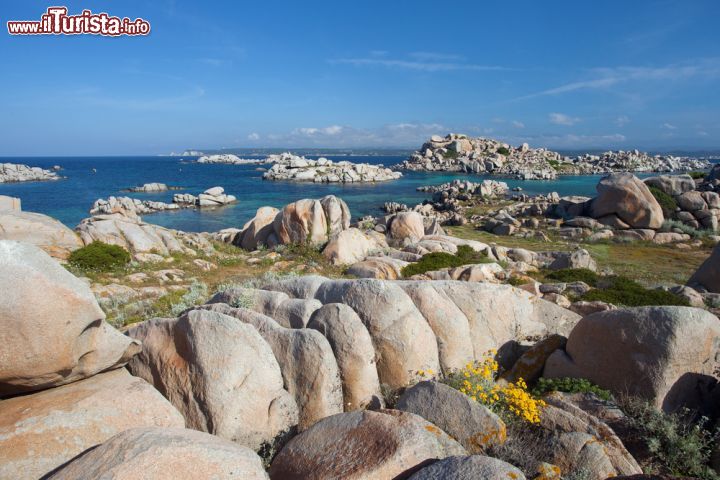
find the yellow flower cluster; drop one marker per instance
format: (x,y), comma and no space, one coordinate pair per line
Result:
(477,381)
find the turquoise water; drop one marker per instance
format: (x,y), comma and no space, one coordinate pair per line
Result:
(70,199)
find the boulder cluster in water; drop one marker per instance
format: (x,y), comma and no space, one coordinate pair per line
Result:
(460,153)
(15,172)
(287,166)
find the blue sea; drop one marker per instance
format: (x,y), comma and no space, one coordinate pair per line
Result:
(70,199)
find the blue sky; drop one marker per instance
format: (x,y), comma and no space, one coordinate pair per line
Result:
(562,74)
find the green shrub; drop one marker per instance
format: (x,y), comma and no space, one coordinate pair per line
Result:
(568,275)
(437,260)
(623,291)
(697,175)
(667,202)
(570,385)
(679,445)
(100,257)
(503,151)
(450,154)
(670,225)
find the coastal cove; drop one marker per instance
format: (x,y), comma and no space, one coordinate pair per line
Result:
(70,199)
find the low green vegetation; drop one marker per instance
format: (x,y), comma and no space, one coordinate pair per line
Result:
(569,275)
(697,175)
(437,260)
(99,257)
(570,385)
(626,292)
(503,151)
(678,444)
(667,202)
(450,154)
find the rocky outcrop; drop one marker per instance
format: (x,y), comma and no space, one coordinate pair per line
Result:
(164,454)
(227,158)
(460,153)
(633,161)
(150,188)
(303,221)
(15,172)
(465,190)
(350,246)
(52,338)
(131,233)
(666,355)
(707,276)
(43,431)
(212,197)
(219,373)
(625,197)
(362,445)
(40,230)
(406,226)
(131,206)
(290,167)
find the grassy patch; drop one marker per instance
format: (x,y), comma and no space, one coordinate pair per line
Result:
(624,291)
(697,175)
(503,151)
(667,202)
(99,257)
(438,260)
(569,385)
(569,275)
(645,262)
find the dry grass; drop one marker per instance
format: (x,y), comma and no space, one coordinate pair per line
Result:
(645,262)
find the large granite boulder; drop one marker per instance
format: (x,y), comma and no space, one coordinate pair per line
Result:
(354,352)
(624,195)
(164,454)
(10,203)
(130,233)
(39,230)
(349,246)
(44,430)
(465,420)
(404,342)
(52,330)
(473,467)
(707,276)
(309,369)
(672,184)
(406,226)
(337,214)
(256,231)
(303,221)
(666,355)
(219,373)
(363,445)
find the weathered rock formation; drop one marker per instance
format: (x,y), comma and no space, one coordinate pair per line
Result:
(287,166)
(15,172)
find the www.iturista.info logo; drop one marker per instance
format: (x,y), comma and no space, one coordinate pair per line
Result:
(56,21)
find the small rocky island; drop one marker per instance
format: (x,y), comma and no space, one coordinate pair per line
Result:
(228,159)
(16,172)
(212,197)
(287,166)
(460,153)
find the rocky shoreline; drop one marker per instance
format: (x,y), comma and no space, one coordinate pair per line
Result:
(15,172)
(460,153)
(228,159)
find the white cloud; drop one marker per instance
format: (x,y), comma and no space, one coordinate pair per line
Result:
(604,78)
(702,133)
(403,134)
(420,61)
(313,131)
(254,136)
(622,120)
(562,119)
(517,124)
(668,126)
